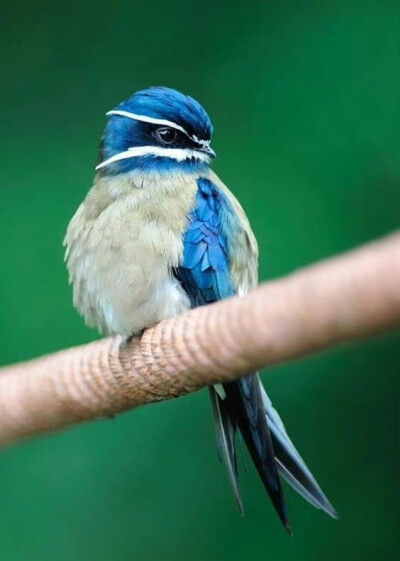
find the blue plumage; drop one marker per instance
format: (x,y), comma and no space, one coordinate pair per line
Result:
(157,103)
(205,269)
(167,103)
(205,276)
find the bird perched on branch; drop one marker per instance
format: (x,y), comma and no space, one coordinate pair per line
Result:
(159,233)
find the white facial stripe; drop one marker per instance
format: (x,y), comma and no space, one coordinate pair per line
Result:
(145,119)
(204,143)
(178,154)
(162,122)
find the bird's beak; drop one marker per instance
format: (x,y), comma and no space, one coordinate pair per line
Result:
(209,151)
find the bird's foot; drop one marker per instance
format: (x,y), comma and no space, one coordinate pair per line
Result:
(128,340)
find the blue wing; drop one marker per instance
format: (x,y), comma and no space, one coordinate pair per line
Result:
(205,276)
(205,269)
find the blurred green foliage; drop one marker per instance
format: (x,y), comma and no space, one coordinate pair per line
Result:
(305,101)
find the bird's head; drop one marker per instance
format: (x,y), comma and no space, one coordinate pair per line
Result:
(156,130)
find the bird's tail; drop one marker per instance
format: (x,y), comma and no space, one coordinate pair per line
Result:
(244,404)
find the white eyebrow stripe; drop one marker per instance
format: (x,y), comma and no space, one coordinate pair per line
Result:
(151,120)
(205,143)
(178,154)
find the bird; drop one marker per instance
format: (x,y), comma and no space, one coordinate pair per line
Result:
(158,234)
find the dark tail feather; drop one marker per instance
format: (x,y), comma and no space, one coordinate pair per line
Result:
(290,464)
(245,407)
(245,404)
(225,432)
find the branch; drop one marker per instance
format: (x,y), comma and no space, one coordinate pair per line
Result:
(338,300)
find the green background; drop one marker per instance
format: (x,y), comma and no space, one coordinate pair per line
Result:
(304,97)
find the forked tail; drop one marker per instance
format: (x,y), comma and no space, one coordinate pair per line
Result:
(244,404)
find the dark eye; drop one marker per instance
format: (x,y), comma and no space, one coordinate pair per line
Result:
(165,135)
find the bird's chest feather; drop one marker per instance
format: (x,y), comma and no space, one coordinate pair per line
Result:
(121,261)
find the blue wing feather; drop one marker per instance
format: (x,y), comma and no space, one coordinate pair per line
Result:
(205,276)
(205,269)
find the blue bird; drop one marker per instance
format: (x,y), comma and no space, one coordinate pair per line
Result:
(158,234)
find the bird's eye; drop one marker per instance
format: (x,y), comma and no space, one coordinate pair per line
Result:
(165,135)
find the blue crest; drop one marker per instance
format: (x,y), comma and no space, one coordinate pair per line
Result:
(167,103)
(162,104)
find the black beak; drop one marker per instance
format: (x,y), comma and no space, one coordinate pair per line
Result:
(209,151)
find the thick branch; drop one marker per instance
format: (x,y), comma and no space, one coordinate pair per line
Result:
(341,299)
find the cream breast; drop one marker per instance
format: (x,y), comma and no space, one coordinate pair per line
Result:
(122,245)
